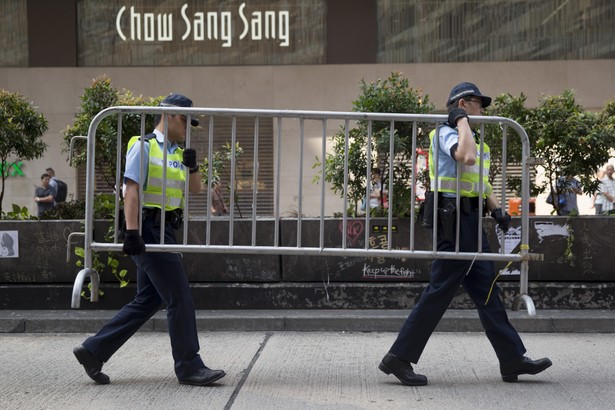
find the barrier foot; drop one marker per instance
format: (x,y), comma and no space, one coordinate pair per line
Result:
(76,297)
(529,304)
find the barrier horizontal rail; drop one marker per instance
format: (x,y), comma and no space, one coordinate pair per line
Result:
(307,251)
(281,136)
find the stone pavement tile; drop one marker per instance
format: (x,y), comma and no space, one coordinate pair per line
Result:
(307,370)
(40,371)
(339,370)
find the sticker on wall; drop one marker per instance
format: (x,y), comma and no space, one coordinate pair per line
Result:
(511,238)
(546,229)
(9,244)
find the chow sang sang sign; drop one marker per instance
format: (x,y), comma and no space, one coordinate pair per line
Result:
(132,24)
(114,33)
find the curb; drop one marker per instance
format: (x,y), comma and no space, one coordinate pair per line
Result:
(90,321)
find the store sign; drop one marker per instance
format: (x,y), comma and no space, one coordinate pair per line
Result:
(12,169)
(133,24)
(124,33)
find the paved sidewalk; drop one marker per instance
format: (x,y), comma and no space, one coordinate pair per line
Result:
(307,370)
(66,321)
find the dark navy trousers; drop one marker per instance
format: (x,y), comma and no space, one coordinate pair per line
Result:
(160,279)
(446,277)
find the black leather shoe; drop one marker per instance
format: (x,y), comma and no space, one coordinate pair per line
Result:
(523,365)
(402,370)
(203,377)
(91,364)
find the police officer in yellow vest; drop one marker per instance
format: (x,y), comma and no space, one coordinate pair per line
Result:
(160,276)
(457,146)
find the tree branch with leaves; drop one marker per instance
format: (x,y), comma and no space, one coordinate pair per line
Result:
(21,132)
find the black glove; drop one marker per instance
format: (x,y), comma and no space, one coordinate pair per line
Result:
(455,115)
(189,160)
(133,242)
(502,218)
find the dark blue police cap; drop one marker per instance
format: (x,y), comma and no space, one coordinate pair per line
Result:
(465,90)
(178,100)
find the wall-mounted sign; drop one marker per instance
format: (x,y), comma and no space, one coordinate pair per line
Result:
(9,244)
(204,26)
(12,169)
(201,32)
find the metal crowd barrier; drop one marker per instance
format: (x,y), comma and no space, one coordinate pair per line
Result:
(289,129)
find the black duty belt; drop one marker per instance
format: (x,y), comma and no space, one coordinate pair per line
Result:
(173,217)
(466,204)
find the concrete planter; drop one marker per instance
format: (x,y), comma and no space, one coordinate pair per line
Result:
(576,271)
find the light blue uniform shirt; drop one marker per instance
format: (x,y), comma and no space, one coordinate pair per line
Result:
(447,165)
(133,158)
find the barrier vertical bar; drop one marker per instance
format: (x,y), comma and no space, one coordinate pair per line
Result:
(322,186)
(142,169)
(368,208)
(118,173)
(436,185)
(481,188)
(300,193)
(210,160)
(165,159)
(255,168)
(458,166)
(502,235)
(525,224)
(187,183)
(345,213)
(89,219)
(413,186)
(390,194)
(276,208)
(233,176)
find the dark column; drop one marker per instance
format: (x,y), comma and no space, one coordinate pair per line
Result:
(52,33)
(352,32)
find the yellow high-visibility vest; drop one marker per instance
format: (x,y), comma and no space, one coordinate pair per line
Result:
(469,175)
(176,177)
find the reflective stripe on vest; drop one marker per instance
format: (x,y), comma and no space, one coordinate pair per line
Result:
(469,178)
(175,182)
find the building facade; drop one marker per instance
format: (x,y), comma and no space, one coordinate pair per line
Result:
(293,54)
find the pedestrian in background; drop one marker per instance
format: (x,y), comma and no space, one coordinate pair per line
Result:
(457,145)
(43,196)
(218,206)
(598,199)
(60,189)
(375,192)
(607,191)
(161,278)
(52,180)
(568,188)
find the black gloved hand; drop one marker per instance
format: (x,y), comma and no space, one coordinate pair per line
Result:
(133,242)
(455,115)
(189,159)
(502,218)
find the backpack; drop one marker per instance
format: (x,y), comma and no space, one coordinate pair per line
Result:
(61,191)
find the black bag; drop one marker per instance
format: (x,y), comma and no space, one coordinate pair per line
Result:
(61,191)
(426,211)
(561,199)
(447,219)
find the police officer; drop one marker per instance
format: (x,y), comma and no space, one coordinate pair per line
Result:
(160,276)
(457,145)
